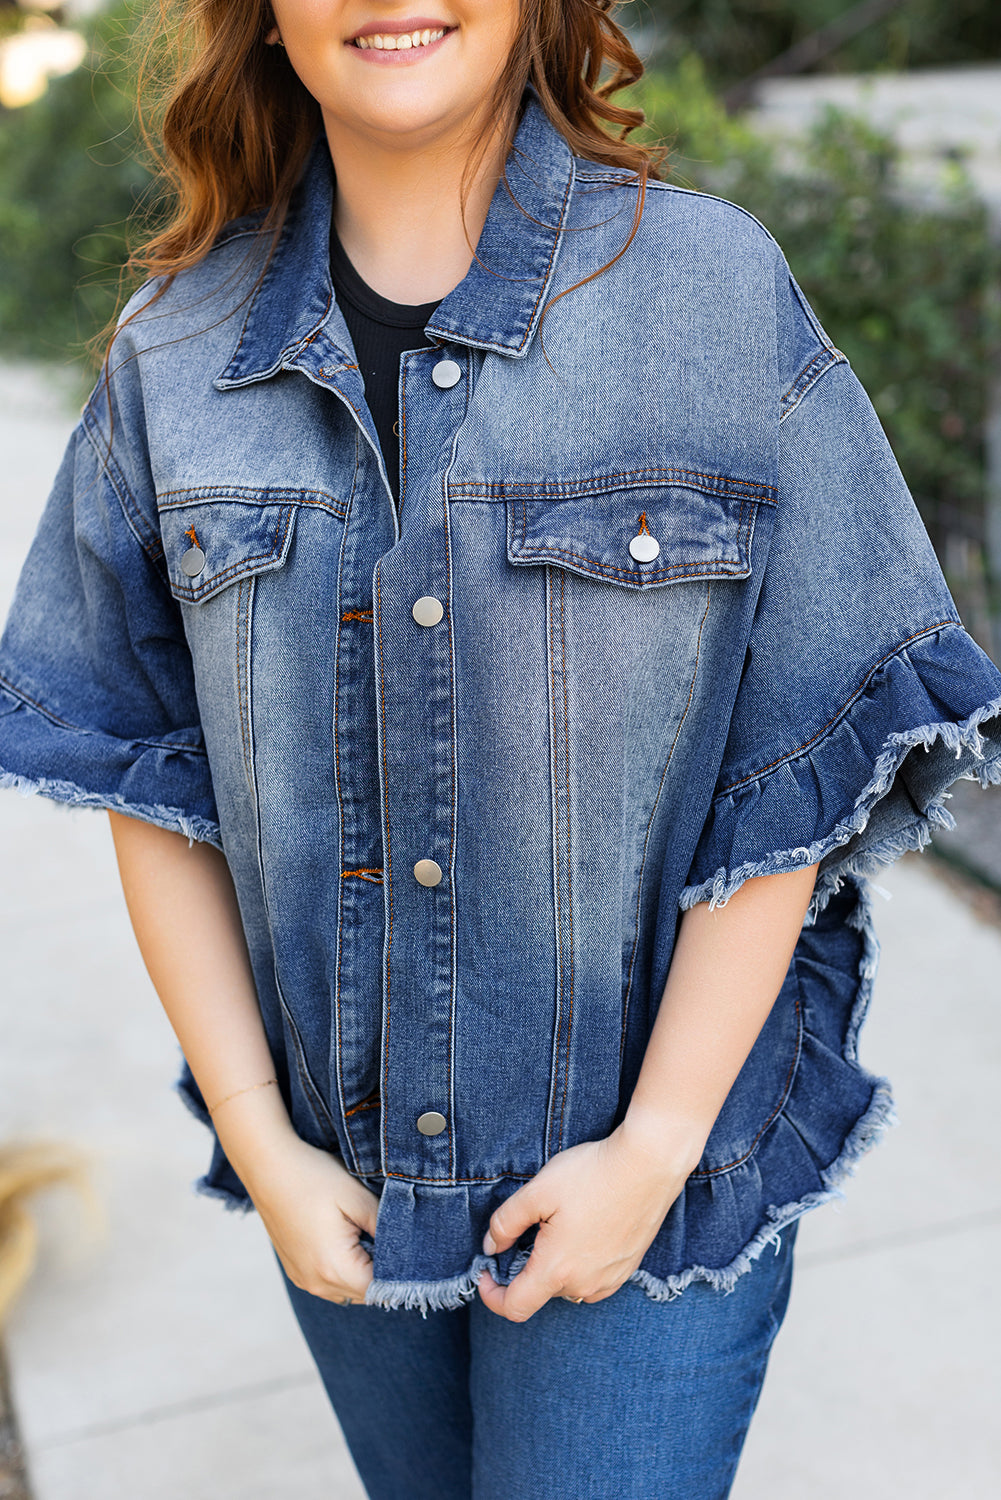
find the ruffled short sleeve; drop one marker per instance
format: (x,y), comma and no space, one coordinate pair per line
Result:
(97,694)
(862,697)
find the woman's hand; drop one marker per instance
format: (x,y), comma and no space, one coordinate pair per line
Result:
(314,1211)
(598,1207)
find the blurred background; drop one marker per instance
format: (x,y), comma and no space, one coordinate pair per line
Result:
(867,138)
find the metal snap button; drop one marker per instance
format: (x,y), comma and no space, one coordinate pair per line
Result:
(193,561)
(427,872)
(431,1122)
(644,547)
(445,374)
(428,611)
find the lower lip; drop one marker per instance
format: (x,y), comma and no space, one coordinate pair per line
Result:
(403,58)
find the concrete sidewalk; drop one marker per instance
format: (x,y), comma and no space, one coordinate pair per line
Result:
(155,1356)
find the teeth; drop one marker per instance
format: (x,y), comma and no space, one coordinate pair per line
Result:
(399,41)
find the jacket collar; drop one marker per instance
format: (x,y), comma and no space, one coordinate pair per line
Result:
(496,306)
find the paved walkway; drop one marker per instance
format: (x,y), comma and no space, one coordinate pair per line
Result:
(153,1355)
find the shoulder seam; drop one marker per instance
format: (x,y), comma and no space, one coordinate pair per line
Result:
(825,359)
(147,537)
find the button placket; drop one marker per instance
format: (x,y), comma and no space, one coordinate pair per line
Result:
(417,726)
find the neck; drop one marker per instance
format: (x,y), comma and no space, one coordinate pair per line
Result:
(399,211)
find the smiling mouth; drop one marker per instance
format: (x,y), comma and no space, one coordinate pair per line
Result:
(404,41)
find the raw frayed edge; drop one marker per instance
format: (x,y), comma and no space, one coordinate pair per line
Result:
(230,1200)
(429,1296)
(195,829)
(956,737)
(439,1296)
(234,1202)
(869,1130)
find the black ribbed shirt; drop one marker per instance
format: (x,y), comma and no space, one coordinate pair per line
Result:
(381,331)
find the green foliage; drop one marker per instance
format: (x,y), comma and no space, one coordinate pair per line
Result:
(70,176)
(735,37)
(905,285)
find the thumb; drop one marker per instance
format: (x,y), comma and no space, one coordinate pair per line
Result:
(361,1208)
(520,1212)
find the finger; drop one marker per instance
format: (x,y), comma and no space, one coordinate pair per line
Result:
(363,1211)
(357,1269)
(519,1213)
(524,1295)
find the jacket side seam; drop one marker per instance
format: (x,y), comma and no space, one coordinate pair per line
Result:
(777,1110)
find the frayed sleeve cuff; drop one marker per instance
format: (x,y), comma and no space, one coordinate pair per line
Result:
(871,786)
(163,781)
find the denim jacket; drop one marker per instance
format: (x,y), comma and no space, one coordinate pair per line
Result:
(656,615)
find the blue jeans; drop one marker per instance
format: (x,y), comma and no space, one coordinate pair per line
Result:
(626,1398)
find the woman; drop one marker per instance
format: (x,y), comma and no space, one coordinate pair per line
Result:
(501,667)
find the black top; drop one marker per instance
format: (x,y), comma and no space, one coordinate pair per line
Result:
(381,331)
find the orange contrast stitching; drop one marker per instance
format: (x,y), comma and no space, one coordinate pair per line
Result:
(566,773)
(370,1101)
(357,614)
(192,536)
(713,484)
(370,873)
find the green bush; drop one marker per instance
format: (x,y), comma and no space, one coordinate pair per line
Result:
(71,174)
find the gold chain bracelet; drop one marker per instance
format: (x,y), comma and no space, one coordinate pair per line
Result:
(235,1095)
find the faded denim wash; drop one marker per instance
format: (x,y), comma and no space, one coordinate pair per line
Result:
(585,743)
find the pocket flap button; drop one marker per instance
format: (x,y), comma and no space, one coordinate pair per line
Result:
(427,611)
(644,547)
(193,561)
(431,1122)
(427,872)
(445,374)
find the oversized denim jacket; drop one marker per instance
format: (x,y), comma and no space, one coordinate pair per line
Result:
(214,632)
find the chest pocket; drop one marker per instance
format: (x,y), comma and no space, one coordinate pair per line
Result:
(639,538)
(210,543)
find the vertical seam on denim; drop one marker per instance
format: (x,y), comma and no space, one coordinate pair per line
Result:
(566,780)
(339,1059)
(245,590)
(653,813)
(298,1056)
(557,901)
(453,749)
(109,468)
(388,867)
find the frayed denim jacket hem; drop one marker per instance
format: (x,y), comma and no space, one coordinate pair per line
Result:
(685,628)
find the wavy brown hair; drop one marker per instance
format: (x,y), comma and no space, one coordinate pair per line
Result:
(229,124)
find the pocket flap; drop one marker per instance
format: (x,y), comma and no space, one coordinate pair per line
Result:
(639,538)
(209,544)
